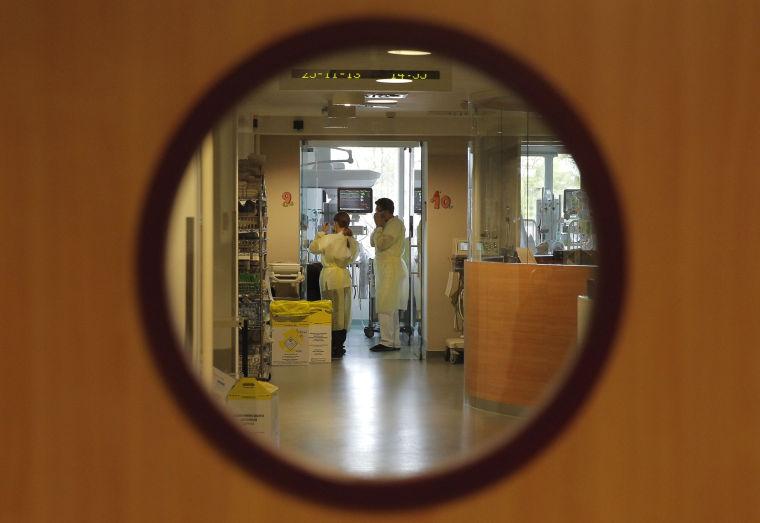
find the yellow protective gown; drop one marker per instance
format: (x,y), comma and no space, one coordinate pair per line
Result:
(337,252)
(391,273)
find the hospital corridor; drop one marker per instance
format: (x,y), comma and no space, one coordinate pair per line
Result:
(396,268)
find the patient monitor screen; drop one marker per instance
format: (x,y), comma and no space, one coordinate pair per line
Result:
(358,201)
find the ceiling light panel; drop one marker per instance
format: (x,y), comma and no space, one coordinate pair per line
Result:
(394,80)
(385,96)
(409,52)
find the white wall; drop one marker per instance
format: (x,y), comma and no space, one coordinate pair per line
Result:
(193,200)
(224,245)
(186,205)
(447,173)
(282,173)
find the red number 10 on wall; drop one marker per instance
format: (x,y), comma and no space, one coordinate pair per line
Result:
(440,200)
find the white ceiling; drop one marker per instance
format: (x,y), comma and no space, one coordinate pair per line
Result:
(466,86)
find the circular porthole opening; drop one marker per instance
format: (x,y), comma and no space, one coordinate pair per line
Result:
(368,354)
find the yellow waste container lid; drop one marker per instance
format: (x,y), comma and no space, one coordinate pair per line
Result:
(251,388)
(319,317)
(289,308)
(320,305)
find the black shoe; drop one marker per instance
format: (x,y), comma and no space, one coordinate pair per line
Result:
(383,348)
(337,355)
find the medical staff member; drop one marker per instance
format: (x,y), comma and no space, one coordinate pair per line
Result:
(391,273)
(338,250)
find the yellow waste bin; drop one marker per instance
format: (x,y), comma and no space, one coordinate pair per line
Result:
(290,332)
(253,404)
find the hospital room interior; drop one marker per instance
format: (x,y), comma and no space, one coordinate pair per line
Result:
(491,281)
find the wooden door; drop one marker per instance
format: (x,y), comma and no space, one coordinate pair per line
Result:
(91,93)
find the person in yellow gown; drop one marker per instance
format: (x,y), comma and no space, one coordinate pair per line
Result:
(338,250)
(391,273)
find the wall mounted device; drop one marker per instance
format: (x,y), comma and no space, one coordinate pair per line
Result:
(418,201)
(461,247)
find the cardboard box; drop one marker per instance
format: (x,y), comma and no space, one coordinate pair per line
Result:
(320,331)
(290,343)
(254,404)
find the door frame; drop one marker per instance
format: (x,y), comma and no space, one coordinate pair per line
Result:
(352,141)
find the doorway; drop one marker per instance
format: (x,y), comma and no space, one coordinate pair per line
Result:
(351,176)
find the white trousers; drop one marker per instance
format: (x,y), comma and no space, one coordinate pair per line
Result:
(389,329)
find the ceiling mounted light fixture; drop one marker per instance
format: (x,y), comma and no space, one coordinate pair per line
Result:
(394,80)
(409,52)
(348,98)
(385,96)
(384,101)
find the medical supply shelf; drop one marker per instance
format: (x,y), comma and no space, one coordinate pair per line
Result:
(254,340)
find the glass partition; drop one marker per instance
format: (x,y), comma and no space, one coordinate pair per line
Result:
(532,259)
(526,199)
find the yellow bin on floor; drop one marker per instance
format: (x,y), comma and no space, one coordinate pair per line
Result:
(290,332)
(253,404)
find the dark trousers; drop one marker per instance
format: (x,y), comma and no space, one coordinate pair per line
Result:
(338,340)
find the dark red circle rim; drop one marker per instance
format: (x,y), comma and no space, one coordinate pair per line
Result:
(424,489)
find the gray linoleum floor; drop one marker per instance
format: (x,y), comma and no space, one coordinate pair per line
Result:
(380,414)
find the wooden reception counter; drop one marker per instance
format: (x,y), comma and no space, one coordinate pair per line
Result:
(520,328)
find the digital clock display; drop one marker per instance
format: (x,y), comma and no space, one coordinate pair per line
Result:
(363,74)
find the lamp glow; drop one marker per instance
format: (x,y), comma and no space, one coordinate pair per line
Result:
(394,80)
(409,52)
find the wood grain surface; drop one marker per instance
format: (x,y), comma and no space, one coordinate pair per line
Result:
(91,93)
(521,328)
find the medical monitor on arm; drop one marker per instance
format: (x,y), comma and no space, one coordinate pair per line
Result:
(355,201)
